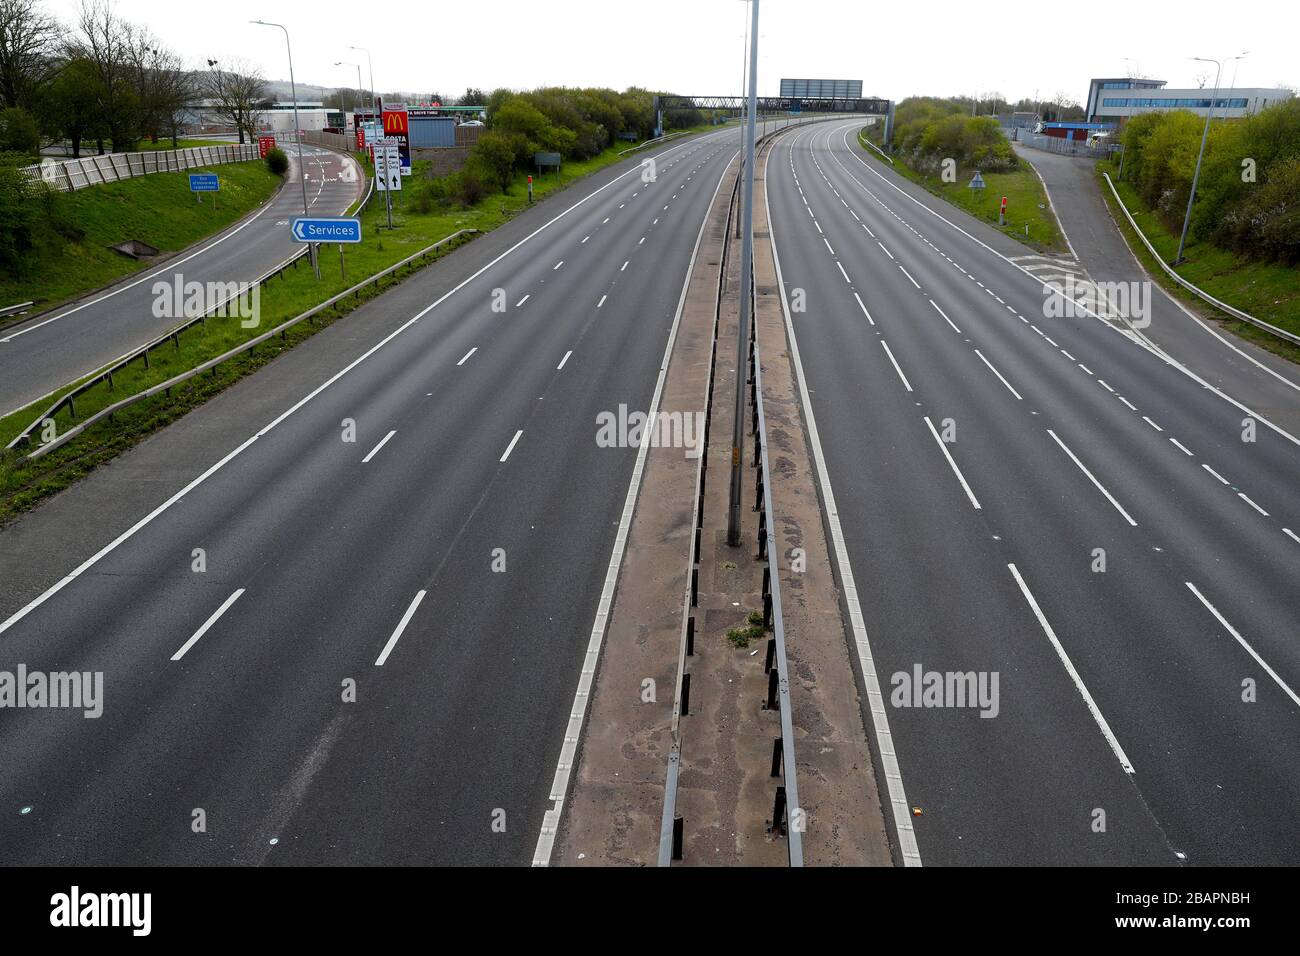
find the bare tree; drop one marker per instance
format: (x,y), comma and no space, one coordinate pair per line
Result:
(163,86)
(238,93)
(104,41)
(29,42)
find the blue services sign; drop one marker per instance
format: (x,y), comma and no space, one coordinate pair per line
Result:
(203,183)
(327,230)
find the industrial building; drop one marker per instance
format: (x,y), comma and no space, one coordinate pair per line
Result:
(1115,99)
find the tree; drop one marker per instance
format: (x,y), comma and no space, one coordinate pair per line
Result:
(18,132)
(494,157)
(164,88)
(104,41)
(473,97)
(238,94)
(70,106)
(29,41)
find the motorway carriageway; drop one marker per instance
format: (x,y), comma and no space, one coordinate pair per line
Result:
(1121,693)
(371,561)
(42,355)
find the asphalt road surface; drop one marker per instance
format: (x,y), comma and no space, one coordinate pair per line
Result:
(51,350)
(375,561)
(1121,733)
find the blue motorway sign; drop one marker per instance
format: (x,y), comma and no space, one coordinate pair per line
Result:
(327,230)
(203,183)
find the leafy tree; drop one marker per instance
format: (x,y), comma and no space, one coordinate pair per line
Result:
(18,132)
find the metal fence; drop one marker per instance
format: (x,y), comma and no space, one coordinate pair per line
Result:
(73,174)
(1066,147)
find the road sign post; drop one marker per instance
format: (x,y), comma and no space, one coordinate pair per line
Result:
(201,183)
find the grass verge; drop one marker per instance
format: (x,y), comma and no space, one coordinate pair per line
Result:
(157,209)
(1266,290)
(1030,219)
(24,483)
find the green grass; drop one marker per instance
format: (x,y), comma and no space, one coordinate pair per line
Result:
(158,209)
(146,146)
(24,483)
(1026,200)
(1266,290)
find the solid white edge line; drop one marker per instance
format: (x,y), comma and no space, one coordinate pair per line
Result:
(578,711)
(943,447)
(116,542)
(1100,487)
(401,626)
(382,442)
(194,639)
(998,374)
(894,362)
(884,740)
(1244,643)
(1074,675)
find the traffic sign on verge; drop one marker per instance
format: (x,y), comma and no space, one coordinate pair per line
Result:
(977,181)
(204,183)
(326,230)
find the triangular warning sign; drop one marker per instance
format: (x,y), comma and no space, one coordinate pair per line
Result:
(977,181)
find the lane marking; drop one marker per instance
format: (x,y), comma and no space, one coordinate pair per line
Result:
(843,273)
(945,317)
(1215,474)
(943,447)
(401,626)
(1243,497)
(1092,478)
(523,300)
(602,300)
(1131,406)
(1291,534)
(557,265)
(1074,674)
(1244,643)
(1152,424)
(864,309)
(207,624)
(563,360)
(382,442)
(998,374)
(1183,448)
(885,251)
(624,266)
(511,446)
(467,355)
(906,383)
(909,276)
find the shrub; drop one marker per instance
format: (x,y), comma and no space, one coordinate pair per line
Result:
(20,214)
(277,162)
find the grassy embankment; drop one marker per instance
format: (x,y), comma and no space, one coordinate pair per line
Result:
(1029,217)
(24,483)
(1266,290)
(158,209)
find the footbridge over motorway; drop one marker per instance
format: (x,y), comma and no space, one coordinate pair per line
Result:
(870,106)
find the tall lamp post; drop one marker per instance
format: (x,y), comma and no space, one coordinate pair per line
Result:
(371,61)
(360,88)
(297,132)
(1205,133)
(746,255)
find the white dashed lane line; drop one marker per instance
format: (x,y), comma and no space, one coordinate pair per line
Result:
(382,442)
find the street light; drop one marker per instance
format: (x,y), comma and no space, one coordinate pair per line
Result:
(297,132)
(371,61)
(746,255)
(1205,133)
(359,86)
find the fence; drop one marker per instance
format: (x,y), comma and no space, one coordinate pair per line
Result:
(1066,147)
(73,174)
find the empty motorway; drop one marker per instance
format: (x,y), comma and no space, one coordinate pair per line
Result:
(1047,500)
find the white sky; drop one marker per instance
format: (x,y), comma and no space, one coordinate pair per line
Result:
(939,47)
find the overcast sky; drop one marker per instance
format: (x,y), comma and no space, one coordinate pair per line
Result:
(1014,47)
